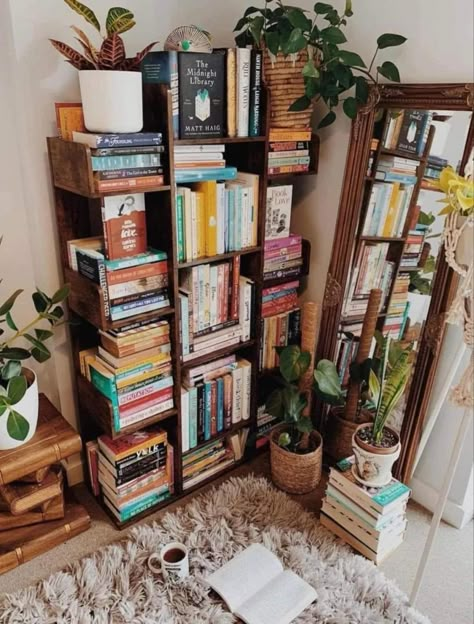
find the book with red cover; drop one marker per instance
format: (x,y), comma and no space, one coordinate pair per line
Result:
(124,220)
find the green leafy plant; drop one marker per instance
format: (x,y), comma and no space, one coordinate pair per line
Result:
(110,54)
(331,72)
(13,382)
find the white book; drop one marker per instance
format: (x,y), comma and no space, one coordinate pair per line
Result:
(278,211)
(252,181)
(258,590)
(213,302)
(370,211)
(389,132)
(243,91)
(246,209)
(204,348)
(220,217)
(179,149)
(194,228)
(236,395)
(125,421)
(246,387)
(184,420)
(245,306)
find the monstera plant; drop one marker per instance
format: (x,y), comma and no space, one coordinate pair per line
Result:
(110,81)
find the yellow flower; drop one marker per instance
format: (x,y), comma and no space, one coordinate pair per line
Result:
(459,192)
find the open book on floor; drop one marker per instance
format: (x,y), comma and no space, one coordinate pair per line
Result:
(257,589)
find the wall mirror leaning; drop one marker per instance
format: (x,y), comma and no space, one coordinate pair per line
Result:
(388,237)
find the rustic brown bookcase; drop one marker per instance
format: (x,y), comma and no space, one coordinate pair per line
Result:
(78,213)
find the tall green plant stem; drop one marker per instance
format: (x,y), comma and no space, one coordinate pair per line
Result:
(22,332)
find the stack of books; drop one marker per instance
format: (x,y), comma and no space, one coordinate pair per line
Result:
(398,308)
(133,472)
(215,396)
(278,331)
(407,131)
(212,94)
(374,146)
(432,173)
(387,209)
(279,299)
(205,462)
(124,161)
(412,250)
(371,520)
(283,257)
(396,169)
(215,217)
(346,350)
(265,425)
(132,368)
(215,305)
(289,151)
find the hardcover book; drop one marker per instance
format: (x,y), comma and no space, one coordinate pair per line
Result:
(124,221)
(411,131)
(201,95)
(162,68)
(278,214)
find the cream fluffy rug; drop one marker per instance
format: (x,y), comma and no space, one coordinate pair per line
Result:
(114,586)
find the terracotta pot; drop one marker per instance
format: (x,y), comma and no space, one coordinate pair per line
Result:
(339,432)
(28,408)
(373,465)
(293,473)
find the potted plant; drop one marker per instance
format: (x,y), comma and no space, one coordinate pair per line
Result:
(295,446)
(18,384)
(375,445)
(111,84)
(312,41)
(459,208)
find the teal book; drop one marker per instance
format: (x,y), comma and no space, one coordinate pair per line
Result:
(396,177)
(404,320)
(129,161)
(152,255)
(183,176)
(207,410)
(107,387)
(220,404)
(180,228)
(193,417)
(138,508)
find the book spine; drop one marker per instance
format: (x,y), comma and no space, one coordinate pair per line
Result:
(134,510)
(278,136)
(290,146)
(282,273)
(136,297)
(151,257)
(227,402)
(213,416)
(231,92)
(287,154)
(193,411)
(132,274)
(243,91)
(147,412)
(289,161)
(126,139)
(220,405)
(129,184)
(283,243)
(126,162)
(255,112)
(92,449)
(234,295)
(137,304)
(200,411)
(272,170)
(174,85)
(185,442)
(180,227)
(207,410)
(128,151)
(236,396)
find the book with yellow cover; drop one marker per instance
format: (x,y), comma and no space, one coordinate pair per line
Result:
(392,211)
(209,190)
(290,134)
(69,118)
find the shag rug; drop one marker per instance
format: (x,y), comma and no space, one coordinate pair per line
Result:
(114,585)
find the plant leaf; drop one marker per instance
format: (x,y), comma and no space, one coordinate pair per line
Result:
(10,370)
(118,20)
(43,334)
(298,19)
(327,120)
(300,104)
(40,301)
(350,107)
(17,426)
(132,64)
(16,388)
(240,24)
(327,380)
(61,294)
(390,71)
(10,321)
(389,40)
(274,404)
(321,8)
(293,404)
(272,40)
(295,43)
(81,36)
(3,408)
(85,12)
(310,70)
(351,58)
(8,305)
(304,425)
(333,34)
(362,89)
(374,387)
(251,10)
(255,29)
(14,353)
(112,52)
(294,363)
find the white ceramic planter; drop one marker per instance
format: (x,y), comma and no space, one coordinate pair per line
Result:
(465,246)
(373,469)
(112,100)
(28,408)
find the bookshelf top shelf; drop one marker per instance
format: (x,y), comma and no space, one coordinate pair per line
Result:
(219,140)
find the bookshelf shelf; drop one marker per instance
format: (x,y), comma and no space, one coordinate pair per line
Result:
(218,353)
(225,256)
(221,435)
(383,239)
(220,140)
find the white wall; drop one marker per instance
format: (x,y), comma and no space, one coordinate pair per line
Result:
(439,48)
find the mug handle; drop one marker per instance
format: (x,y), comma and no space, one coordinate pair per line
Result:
(156,569)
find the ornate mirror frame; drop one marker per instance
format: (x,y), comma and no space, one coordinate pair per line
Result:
(450,96)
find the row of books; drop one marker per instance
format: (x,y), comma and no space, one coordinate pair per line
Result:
(278,331)
(132,368)
(371,520)
(213,94)
(215,217)
(283,257)
(396,169)
(371,270)
(217,402)
(265,424)
(387,209)
(206,461)
(131,161)
(412,250)
(289,155)
(133,472)
(399,307)
(374,146)
(407,130)
(279,299)
(346,351)
(434,167)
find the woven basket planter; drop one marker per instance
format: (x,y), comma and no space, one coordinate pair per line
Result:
(293,473)
(282,75)
(339,432)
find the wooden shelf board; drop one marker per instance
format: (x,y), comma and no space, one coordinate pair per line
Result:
(220,436)
(220,140)
(99,194)
(225,256)
(146,316)
(219,353)
(401,154)
(383,239)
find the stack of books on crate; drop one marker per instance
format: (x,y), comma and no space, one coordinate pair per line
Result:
(371,520)
(194,163)
(229,104)
(216,218)
(215,397)
(407,131)
(125,161)
(278,331)
(132,368)
(374,146)
(387,209)
(283,257)
(396,169)
(206,462)
(215,307)
(398,308)
(432,173)
(133,472)
(289,151)
(279,299)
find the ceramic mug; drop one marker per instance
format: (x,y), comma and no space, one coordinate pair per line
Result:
(172,562)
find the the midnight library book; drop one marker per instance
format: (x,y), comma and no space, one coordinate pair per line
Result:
(201,95)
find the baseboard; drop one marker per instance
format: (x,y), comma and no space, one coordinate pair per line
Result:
(454,514)
(74,469)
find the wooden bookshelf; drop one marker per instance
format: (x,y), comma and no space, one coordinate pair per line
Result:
(78,214)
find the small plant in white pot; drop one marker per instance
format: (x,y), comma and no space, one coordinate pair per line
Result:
(375,445)
(111,83)
(18,384)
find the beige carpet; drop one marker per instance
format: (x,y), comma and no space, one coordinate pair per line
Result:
(446,595)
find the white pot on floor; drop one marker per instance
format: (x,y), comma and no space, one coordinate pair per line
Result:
(112,100)
(27,407)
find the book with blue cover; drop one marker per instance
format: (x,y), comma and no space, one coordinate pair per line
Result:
(183,176)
